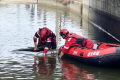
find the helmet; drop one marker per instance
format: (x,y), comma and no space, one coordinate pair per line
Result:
(64,32)
(43,32)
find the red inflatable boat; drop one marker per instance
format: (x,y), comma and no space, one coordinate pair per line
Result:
(105,54)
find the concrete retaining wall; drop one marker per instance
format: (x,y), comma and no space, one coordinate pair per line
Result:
(111,7)
(106,14)
(17,1)
(70,5)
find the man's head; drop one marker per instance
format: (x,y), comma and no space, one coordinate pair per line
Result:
(43,33)
(64,33)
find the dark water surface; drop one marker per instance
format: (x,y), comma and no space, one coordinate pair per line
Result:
(19,22)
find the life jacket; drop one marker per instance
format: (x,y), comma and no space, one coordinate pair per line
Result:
(48,34)
(79,39)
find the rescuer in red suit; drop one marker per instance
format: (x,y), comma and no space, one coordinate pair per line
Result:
(46,37)
(72,39)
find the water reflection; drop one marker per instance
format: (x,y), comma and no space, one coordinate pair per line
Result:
(45,65)
(73,72)
(19,22)
(108,26)
(76,71)
(99,35)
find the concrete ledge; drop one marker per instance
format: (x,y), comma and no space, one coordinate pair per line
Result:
(76,7)
(53,4)
(69,5)
(17,1)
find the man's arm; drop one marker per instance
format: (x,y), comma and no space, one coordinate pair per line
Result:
(35,48)
(69,42)
(61,54)
(35,40)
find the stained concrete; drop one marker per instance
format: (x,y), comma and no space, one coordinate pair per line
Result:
(17,1)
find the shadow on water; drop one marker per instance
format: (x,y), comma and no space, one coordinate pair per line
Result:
(100,35)
(75,70)
(107,24)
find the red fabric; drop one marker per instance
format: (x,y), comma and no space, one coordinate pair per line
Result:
(45,50)
(74,35)
(71,41)
(49,37)
(46,36)
(35,39)
(42,42)
(89,44)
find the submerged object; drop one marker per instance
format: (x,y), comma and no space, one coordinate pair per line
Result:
(30,51)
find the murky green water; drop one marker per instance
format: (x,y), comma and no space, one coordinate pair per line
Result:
(19,22)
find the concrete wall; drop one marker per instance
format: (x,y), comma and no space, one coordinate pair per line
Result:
(18,1)
(106,14)
(70,5)
(111,7)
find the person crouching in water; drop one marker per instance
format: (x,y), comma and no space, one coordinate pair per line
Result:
(46,37)
(72,39)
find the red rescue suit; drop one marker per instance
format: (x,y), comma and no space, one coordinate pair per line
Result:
(50,36)
(72,39)
(48,40)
